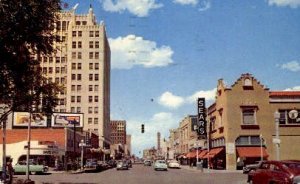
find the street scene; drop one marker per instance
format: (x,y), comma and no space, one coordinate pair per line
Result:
(150,91)
(144,174)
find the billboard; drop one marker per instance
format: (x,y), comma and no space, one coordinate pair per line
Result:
(21,119)
(67,120)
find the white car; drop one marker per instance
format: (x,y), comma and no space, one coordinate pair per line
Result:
(173,164)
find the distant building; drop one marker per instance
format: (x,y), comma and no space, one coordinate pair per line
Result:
(118,137)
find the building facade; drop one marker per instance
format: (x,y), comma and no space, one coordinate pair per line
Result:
(81,65)
(118,138)
(242,126)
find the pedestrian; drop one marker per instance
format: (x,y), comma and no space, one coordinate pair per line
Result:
(10,170)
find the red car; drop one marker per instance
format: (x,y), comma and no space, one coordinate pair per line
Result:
(276,172)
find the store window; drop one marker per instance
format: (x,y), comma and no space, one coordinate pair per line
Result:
(249,140)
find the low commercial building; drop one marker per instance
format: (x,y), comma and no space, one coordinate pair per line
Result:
(242,126)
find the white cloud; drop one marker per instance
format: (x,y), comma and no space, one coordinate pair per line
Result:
(170,100)
(209,95)
(293,66)
(139,8)
(291,3)
(186,2)
(160,122)
(296,88)
(132,51)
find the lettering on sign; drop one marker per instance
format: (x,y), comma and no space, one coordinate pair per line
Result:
(201,118)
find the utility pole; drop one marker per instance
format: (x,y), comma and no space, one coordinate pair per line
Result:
(3,114)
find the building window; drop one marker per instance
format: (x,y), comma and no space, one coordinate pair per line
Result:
(96,110)
(96,88)
(74,45)
(79,66)
(57,69)
(249,117)
(79,99)
(63,59)
(50,59)
(79,77)
(91,33)
(63,69)
(96,55)
(78,109)
(73,88)
(91,54)
(90,99)
(57,80)
(95,121)
(289,116)
(79,44)
(73,66)
(90,87)
(79,55)
(249,140)
(77,23)
(73,33)
(72,98)
(90,110)
(73,109)
(96,77)
(90,66)
(84,23)
(96,44)
(73,55)
(91,44)
(90,120)
(57,59)
(78,88)
(79,33)
(73,76)
(90,77)
(96,99)
(96,66)
(96,33)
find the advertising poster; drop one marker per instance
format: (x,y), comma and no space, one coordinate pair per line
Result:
(67,120)
(21,119)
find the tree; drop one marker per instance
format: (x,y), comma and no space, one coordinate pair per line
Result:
(26,34)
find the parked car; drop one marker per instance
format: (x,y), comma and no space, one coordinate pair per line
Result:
(271,172)
(112,163)
(160,165)
(250,167)
(122,165)
(129,162)
(34,168)
(173,164)
(147,163)
(92,165)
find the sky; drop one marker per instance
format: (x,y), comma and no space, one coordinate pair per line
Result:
(167,53)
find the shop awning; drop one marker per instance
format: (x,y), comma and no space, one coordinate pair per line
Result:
(251,152)
(213,152)
(202,154)
(192,154)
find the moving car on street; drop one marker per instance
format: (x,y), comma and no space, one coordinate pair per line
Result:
(271,172)
(160,165)
(147,163)
(173,164)
(122,165)
(92,165)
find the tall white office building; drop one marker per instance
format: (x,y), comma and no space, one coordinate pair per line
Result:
(81,65)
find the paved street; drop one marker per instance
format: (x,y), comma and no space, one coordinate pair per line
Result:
(145,175)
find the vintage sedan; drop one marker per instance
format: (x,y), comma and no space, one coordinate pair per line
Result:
(21,168)
(285,172)
(160,165)
(173,164)
(92,165)
(122,165)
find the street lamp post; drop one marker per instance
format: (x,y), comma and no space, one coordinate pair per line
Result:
(3,114)
(277,140)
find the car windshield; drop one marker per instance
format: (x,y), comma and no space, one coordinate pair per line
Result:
(292,165)
(161,161)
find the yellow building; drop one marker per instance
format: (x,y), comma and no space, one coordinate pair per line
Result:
(242,126)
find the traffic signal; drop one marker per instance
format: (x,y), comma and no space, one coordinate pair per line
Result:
(143,128)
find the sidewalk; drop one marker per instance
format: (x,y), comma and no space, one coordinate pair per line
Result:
(205,170)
